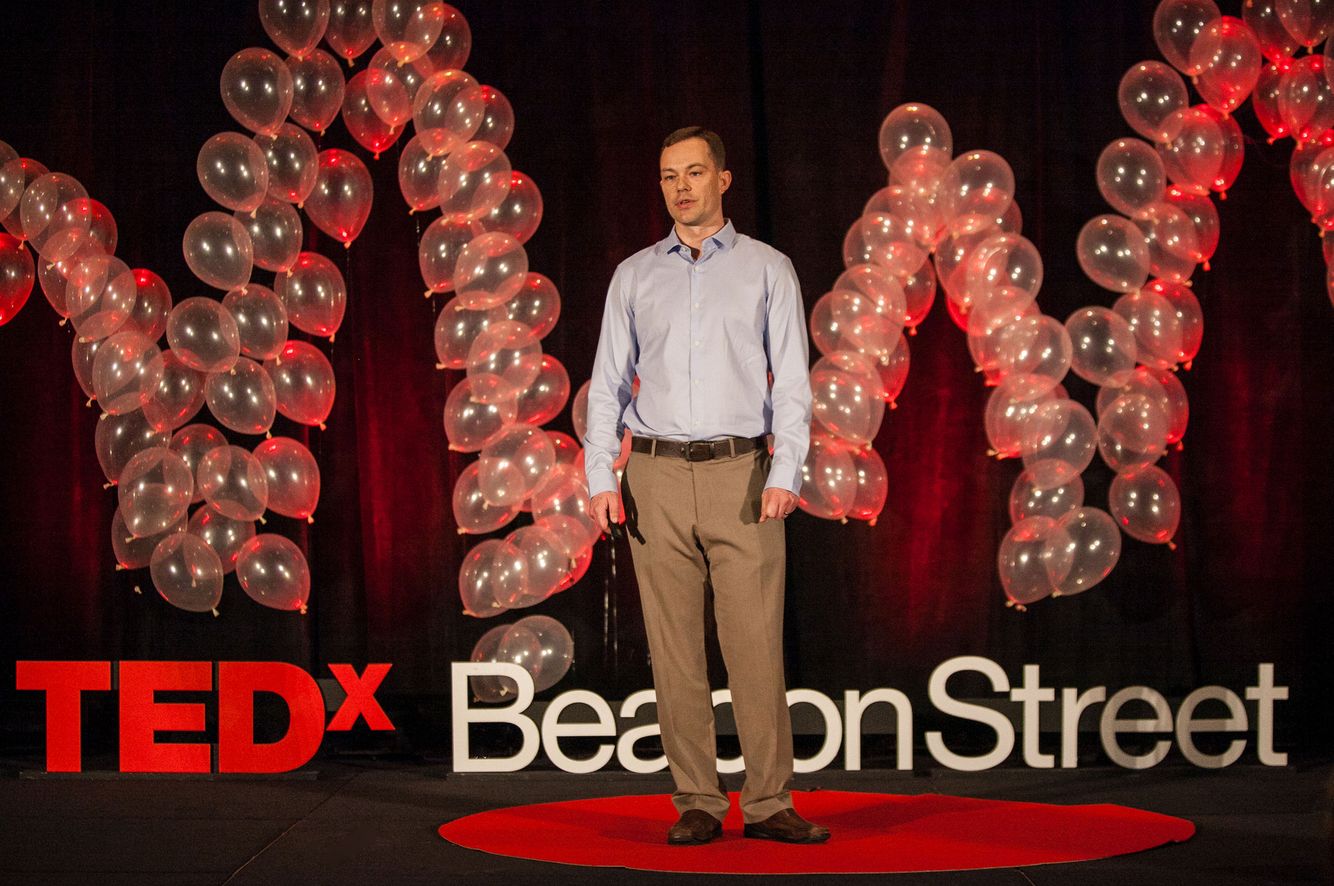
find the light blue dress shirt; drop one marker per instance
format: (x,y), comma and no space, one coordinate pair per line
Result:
(702,335)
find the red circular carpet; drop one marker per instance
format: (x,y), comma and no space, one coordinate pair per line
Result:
(872,833)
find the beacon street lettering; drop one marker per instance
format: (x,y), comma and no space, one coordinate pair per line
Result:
(1131,711)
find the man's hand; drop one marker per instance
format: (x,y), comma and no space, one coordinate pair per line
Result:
(605,509)
(775,503)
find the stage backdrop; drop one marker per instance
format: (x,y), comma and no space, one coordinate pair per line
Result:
(122,95)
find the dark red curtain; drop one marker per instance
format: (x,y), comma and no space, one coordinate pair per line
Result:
(121,95)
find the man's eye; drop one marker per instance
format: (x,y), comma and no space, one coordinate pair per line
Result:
(696,174)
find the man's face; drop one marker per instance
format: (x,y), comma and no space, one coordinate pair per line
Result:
(692,184)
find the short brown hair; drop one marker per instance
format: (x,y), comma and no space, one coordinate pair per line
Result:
(716,149)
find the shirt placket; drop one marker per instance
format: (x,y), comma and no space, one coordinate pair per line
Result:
(696,274)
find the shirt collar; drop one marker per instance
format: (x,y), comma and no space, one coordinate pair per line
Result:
(723,238)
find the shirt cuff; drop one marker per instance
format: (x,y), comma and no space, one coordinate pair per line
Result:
(784,477)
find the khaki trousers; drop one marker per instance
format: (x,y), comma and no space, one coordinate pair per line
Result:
(693,525)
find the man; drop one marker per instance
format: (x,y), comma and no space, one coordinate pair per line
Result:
(702,318)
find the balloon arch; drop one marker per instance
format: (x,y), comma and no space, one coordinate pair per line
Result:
(941,222)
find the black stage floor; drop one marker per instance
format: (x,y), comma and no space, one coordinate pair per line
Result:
(373,821)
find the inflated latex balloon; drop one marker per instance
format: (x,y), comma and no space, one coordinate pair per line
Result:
(408,28)
(303,380)
(1308,21)
(847,405)
(1033,557)
(100,294)
(1275,41)
(497,126)
(387,90)
(976,189)
(471,422)
(491,270)
(1146,504)
(1159,385)
(187,572)
(233,170)
(872,485)
(293,163)
(1149,94)
(546,395)
(1132,432)
(1188,312)
(1104,350)
(493,570)
(351,29)
(152,304)
(536,305)
(419,175)
(1177,24)
(243,398)
(136,553)
(828,479)
(1203,217)
(178,396)
(1089,541)
(1113,254)
(293,477)
(474,181)
(1194,158)
(548,566)
(366,124)
(126,371)
(447,110)
(1046,488)
(54,217)
(15,177)
(1157,328)
(911,126)
(877,284)
(919,293)
(457,327)
(1169,235)
(1036,345)
(233,481)
(438,253)
(1131,176)
(1059,430)
(317,89)
(275,234)
(218,250)
(223,534)
(473,511)
(257,90)
(192,443)
(1002,260)
(1227,52)
(565,493)
(522,446)
(1305,98)
(341,201)
(273,572)
(154,491)
(295,25)
(555,644)
(261,320)
(1010,406)
(314,294)
(503,361)
(885,240)
(204,335)
(488,688)
(17,274)
(519,213)
(118,438)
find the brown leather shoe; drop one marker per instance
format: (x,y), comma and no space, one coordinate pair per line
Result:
(695,826)
(787,827)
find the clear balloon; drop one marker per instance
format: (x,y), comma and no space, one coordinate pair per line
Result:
(847,405)
(497,126)
(1189,314)
(341,201)
(257,90)
(1089,541)
(293,477)
(470,422)
(1149,94)
(522,446)
(519,214)
(1113,254)
(976,189)
(317,89)
(1132,431)
(303,380)
(126,372)
(536,305)
(491,270)
(457,327)
(233,481)
(275,235)
(273,572)
(1195,156)
(546,395)
(17,274)
(54,217)
(1046,488)
(408,28)
(351,29)
(1033,557)
(154,491)
(314,294)
(1059,430)
(192,443)
(489,688)
(261,320)
(1036,345)
(1157,328)
(493,570)
(1234,149)
(387,89)
(555,643)
(363,120)
(1274,40)
(1159,385)
(1264,100)
(136,553)
(872,485)
(452,47)
(438,253)
(919,293)
(152,304)
(507,352)
(295,25)
(1228,56)
(474,181)
(1177,24)
(218,250)
(912,126)
(1169,234)
(177,397)
(1308,21)
(564,493)
(187,573)
(1130,176)
(243,398)
(1104,350)
(1146,504)
(15,177)
(1305,98)
(118,438)
(221,533)
(877,284)
(1203,217)
(1002,260)
(101,295)
(474,511)
(447,110)
(204,335)
(293,164)
(233,171)
(419,175)
(828,479)
(1009,407)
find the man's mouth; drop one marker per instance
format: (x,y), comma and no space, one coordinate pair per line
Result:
(684,203)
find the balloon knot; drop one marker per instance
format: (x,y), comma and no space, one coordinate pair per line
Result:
(88,403)
(103,416)
(1222,195)
(912,330)
(871,522)
(310,519)
(323,426)
(137,589)
(1057,593)
(331,337)
(1187,365)
(347,244)
(441,366)
(63,321)
(427,294)
(303,609)
(1180,446)
(1171,545)
(843,520)
(893,404)
(262,521)
(1207,269)
(120,567)
(214,610)
(268,435)
(107,485)
(991,453)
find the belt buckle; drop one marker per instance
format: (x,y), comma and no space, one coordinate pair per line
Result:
(699,450)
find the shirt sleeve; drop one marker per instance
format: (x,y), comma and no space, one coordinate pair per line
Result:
(789,361)
(610,387)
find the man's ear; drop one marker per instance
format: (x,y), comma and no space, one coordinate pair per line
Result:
(725,178)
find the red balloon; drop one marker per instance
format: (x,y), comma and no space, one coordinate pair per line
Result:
(341,201)
(17,273)
(363,121)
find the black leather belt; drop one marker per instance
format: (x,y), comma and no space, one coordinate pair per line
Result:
(697,450)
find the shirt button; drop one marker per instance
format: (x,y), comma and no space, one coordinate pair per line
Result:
(696,305)
(697,343)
